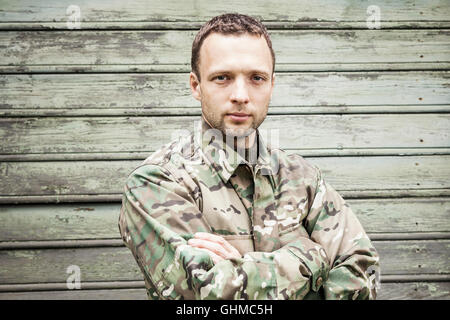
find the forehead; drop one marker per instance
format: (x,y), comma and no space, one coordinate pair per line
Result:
(229,52)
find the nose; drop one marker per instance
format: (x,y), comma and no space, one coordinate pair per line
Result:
(239,93)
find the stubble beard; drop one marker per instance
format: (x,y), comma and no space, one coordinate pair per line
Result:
(217,121)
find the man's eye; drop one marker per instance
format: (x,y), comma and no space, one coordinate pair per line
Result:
(221,78)
(258,78)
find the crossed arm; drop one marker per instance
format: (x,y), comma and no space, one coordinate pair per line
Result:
(217,247)
(180,259)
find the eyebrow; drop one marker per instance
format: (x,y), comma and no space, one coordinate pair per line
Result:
(224,71)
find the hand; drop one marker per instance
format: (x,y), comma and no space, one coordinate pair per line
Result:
(217,247)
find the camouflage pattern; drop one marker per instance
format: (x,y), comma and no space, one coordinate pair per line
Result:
(297,236)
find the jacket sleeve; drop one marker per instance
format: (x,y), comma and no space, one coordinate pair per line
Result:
(155,222)
(332,224)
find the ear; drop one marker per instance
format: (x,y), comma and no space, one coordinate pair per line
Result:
(195,86)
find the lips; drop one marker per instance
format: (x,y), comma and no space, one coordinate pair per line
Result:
(238,116)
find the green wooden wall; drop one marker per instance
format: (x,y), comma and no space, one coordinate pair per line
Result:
(80,108)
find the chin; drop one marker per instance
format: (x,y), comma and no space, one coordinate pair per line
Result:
(239,132)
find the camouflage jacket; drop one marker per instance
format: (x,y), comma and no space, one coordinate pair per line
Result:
(297,236)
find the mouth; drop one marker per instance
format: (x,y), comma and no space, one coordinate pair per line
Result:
(238,116)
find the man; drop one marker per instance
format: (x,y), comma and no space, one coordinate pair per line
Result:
(226,216)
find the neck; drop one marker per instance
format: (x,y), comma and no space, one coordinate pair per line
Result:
(247,146)
(245,142)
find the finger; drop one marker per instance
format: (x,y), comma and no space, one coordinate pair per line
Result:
(234,252)
(211,246)
(218,239)
(218,248)
(208,236)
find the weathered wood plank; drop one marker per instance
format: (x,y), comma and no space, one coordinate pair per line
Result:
(73,156)
(106,294)
(50,265)
(45,222)
(404,215)
(99,221)
(196,111)
(91,243)
(138,134)
(385,173)
(135,93)
(280,68)
(116,197)
(413,257)
(101,285)
(38,178)
(94,243)
(139,13)
(375,174)
(117,263)
(388,291)
(415,291)
(304,50)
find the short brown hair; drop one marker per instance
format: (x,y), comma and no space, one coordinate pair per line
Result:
(229,23)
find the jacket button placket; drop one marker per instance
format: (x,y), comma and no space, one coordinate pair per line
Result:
(265,225)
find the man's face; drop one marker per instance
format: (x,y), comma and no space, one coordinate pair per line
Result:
(236,82)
